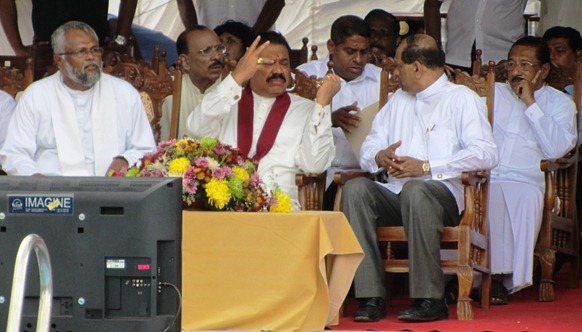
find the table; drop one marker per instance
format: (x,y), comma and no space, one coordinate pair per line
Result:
(266,271)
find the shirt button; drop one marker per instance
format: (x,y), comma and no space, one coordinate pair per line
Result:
(440,176)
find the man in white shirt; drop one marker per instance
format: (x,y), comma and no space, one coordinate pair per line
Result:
(7,106)
(349,49)
(533,121)
(202,57)
(286,133)
(79,121)
(428,133)
(491,26)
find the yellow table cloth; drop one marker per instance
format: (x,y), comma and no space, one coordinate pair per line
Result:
(266,271)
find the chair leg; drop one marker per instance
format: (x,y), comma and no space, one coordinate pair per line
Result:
(485,290)
(464,309)
(574,272)
(547,262)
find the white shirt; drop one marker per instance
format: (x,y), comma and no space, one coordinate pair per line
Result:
(304,142)
(445,124)
(212,13)
(526,135)
(494,25)
(365,89)
(30,145)
(190,98)
(7,105)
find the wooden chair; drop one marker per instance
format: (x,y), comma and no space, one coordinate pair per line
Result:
(559,229)
(153,87)
(299,56)
(177,73)
(13,79)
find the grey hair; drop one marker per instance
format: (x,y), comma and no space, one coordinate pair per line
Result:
(58,36)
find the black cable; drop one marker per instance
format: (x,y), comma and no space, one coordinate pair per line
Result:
(165,283)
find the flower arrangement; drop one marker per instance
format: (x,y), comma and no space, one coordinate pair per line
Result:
(213,173)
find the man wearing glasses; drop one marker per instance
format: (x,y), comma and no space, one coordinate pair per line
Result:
(533,121)
(79,121)
(202,57)
(251,110)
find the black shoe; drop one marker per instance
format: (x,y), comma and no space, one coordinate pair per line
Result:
(426,310)
(370,310)
(415,305)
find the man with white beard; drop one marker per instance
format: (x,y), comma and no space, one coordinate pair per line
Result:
(77,122)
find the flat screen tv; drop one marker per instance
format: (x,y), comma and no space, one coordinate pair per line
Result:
(114,245)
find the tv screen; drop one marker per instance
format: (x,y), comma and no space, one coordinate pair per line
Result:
(114,245)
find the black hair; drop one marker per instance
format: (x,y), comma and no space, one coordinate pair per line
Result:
(347,26)
(182,43)
(570,34)
(238,29)
(542,49)
(382,15)
(275,38)
(417,50)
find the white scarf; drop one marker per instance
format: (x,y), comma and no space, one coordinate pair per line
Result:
(66,129)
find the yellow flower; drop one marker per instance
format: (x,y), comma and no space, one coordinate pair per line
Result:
(283,203)
(241,173)
(178,166)
(182,146)
(218,193)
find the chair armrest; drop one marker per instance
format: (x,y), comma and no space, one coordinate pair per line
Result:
(310,190)
(474,177)
(303,179)
(340,178)
(550,165)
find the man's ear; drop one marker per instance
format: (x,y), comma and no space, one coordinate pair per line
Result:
(185,63)
(330,46)
(418,69)
(57,59)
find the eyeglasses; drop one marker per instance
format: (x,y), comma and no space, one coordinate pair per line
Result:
(523,66)
(82,53)
(206,51)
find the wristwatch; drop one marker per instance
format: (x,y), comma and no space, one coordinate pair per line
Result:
(120,40)
(426,167)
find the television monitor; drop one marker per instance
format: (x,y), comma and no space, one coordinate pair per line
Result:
(115,250)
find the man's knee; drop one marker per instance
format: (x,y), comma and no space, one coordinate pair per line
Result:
(413,188)
(356,188)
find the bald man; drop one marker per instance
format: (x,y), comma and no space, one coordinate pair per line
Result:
(430,131)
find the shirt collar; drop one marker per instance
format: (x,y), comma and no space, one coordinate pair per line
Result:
(433,88)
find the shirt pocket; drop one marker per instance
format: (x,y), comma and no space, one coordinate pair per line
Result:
(440,143)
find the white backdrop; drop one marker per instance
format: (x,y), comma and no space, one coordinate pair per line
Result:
(299,18)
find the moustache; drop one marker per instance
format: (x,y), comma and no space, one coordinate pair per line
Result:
(216,63)
(516,79)
(378,46)
(276,76)
(92,63)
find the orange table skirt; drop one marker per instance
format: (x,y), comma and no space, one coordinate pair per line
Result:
(266,271)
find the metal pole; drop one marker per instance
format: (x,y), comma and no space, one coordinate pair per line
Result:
(32,241)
